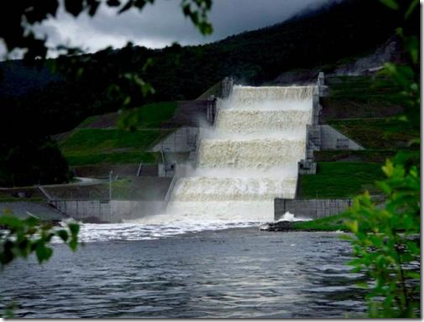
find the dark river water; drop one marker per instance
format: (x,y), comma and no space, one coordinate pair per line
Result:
(233,273)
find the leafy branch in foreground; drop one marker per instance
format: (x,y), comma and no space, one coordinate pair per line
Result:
(22,237)
(386,238)
(385,245)
(18,18)
(18,23)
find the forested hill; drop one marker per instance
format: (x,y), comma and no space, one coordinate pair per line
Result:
(348,29)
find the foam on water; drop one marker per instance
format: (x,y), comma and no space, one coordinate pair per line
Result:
(150,230)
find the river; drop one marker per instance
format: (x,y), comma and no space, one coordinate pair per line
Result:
(229,273)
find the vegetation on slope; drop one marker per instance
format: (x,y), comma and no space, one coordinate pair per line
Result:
(42,108)
(97,140)
(331,223)
(94,146)
(179,73)
(360,97)
(364,108)
(104,140)
(340,180)
(148,116)
(111,158)
(376,133)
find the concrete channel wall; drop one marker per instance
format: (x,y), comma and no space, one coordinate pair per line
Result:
(25,209)
(113,211)
(313,208)
(182,140)
(331,139)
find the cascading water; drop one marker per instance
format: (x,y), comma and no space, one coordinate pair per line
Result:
(248,159)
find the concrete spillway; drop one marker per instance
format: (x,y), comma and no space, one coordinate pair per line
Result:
(249,158)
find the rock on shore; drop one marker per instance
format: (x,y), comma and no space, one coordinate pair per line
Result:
(277,226)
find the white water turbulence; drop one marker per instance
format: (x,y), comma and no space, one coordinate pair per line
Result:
(248,159)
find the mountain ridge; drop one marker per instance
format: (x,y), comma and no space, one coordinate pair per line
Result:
(312,40)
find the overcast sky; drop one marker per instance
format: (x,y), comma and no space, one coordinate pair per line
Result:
(163,23)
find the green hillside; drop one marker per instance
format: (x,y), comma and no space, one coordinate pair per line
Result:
(36,103)
(148,116)
(340,179)
(342,31)
(366,109)
(97,140)
(89,146)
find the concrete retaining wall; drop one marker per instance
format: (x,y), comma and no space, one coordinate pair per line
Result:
(192,114)
(313,208)
(331,139)
(324,137)
(24,209)
(114,211)
(102,171)
(182,140)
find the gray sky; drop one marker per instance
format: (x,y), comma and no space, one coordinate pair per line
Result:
(163,23)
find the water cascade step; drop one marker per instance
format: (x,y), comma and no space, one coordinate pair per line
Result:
(248,159)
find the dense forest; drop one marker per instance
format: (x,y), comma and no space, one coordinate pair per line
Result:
(36,103)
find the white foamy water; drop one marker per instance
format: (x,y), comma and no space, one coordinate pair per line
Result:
(247,160)
(257,153)
(152,228)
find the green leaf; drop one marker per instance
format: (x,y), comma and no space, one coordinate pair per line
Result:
(392,4)
(43,253)
(74,228)
(11,222)
(73,244)
(63,234)
(411,8)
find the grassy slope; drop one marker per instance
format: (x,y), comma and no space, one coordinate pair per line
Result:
(373,156)
(376,133)
(332,223)
(93,146)
(362,107)
(357,107)
(153,115)
(340,179)
(95,142)
(99,140)
(112,158)
(359,97)
(148,116)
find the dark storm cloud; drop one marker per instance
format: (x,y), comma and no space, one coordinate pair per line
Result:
(163,23)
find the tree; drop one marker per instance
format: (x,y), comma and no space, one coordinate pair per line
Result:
(18,19)
(125,89)
(384,240)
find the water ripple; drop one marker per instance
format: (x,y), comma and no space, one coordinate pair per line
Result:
(235,273)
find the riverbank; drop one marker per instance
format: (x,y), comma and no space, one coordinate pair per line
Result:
(326,224)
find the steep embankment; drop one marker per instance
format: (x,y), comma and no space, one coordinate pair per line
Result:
(98,139)
(366,109)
